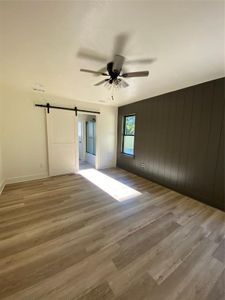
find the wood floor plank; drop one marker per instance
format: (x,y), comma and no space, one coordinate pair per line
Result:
(144,239)
(64,238)
(138,289)
(220,252)
(185,274)
(103,291)
(173,250)
(218,291)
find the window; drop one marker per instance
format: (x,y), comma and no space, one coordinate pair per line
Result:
(91,137)
(128,134)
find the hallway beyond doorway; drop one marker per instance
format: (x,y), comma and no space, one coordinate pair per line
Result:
(87,141)
(83,165)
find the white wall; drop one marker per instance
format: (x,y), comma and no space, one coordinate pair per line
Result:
(106,133)
(2,179)
(24,135)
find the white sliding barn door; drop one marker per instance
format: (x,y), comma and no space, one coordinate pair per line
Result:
(62,142)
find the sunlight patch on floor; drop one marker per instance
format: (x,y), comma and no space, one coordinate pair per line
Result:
(114,188)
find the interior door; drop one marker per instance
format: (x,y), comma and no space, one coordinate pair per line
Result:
(62,142)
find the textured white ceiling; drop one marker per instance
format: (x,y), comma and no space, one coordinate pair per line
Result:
(40,42)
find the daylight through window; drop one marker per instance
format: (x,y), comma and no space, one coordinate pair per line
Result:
(128,134)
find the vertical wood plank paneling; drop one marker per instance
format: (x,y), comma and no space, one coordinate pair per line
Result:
(148,129)
(188,120)
(194,146)
(179,140)
(163,140)
(151,143)
(181,112)
(217,118)
(176,139)
(218,188)
(158,139)
(204,129)
(155,141)
(168,140)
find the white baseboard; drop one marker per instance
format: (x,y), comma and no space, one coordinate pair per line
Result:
(2,185)
(25,178)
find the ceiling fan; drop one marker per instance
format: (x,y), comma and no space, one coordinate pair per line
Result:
(115,73)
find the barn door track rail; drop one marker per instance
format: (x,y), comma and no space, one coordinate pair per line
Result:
(75,109)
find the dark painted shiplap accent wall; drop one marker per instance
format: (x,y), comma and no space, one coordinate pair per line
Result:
(180,141)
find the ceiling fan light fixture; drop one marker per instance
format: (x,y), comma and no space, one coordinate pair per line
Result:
(115,73)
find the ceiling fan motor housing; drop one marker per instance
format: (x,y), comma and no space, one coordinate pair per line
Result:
(113,73)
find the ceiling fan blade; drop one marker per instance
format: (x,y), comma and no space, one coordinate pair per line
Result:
(91,55)
(101,82)
(120,43)
(141,61)
(136,74)
(124,83)
(118,63)
(103,70)
(93,72)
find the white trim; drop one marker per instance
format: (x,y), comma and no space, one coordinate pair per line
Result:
(25,178)
(76,150)
(97,136)
(2,185)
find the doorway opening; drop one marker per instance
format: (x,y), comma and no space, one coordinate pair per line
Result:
(87,141)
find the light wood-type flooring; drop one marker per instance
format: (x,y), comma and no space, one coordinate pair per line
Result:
(64,238)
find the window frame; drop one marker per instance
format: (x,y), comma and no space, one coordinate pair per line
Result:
(87,137)
(123,134)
